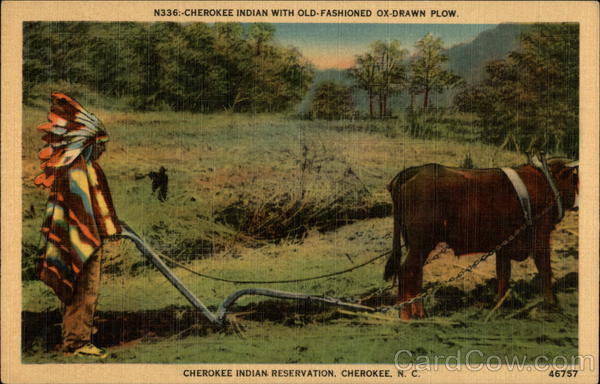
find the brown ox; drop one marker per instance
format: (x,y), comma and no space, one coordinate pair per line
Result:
(473,210)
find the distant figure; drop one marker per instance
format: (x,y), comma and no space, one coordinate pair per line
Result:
(160,182)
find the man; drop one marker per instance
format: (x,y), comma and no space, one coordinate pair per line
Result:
(160,182)
(79,217)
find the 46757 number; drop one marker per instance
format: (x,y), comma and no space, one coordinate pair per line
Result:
(563,373)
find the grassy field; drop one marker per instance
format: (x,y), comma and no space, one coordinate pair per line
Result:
(270,196)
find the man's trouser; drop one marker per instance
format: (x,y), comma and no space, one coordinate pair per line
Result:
(78,315)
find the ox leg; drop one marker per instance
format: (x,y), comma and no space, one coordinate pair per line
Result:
(410,281)
(544,267)
(502,274)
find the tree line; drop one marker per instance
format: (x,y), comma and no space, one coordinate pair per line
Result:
(386,69)
(197,66)
(528,100)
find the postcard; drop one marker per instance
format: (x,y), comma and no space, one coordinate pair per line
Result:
(300,192)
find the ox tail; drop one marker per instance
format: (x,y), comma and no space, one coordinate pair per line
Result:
(392,267)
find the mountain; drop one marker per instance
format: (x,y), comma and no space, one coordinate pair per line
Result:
(468,59)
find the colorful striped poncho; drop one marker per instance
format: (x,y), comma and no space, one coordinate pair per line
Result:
(79,212)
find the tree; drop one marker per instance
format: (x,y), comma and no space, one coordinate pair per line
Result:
(414,86)
(261,33)
(381,72)
(530,100)
(114,56)
(202,79)
(391,73)
(160,66)
(428,73)
(36,56)
(332,101)
(548,77)
(364,72)
(232,53)
(193,66)
(55,51)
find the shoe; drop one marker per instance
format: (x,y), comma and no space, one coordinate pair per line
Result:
(89,350)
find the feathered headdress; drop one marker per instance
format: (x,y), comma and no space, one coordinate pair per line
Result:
(80,212)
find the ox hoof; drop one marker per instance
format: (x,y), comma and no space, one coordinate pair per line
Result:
(413,311)
(418,310)
(405,313)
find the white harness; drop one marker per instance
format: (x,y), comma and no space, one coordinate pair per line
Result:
(522,193)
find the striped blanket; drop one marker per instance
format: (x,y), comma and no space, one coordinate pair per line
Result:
(79,213)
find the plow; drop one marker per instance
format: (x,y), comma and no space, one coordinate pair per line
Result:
(218,319)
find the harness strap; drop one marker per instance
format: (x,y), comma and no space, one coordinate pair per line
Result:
(557,198)
(522,193)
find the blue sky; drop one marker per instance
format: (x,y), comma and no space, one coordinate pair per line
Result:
(334,45)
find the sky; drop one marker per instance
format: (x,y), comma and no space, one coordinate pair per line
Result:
(334,45)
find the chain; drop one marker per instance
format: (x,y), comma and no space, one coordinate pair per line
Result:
(469,268)
(437,255)
(323,276)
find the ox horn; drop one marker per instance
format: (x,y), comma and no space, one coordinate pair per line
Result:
(535,160)
(573,164)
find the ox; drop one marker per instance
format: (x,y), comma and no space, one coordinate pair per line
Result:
(472,211)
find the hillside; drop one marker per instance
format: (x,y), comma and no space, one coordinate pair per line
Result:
(468,59)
